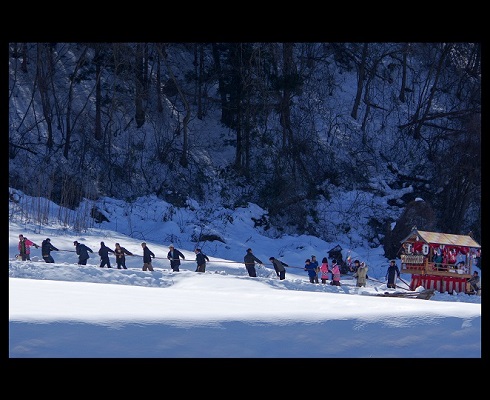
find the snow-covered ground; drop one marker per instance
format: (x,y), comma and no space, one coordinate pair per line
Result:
(64,310)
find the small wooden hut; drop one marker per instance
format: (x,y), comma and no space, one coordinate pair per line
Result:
(439,261)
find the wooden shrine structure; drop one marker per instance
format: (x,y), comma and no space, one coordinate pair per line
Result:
(439,261)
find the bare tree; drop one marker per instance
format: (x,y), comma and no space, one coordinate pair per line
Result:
(139,86)
(98,92)
(361,76)
(44,73)
(422,113)
(184,159)
(403,85)
(220,75)
(70,123)
(23,65)
(159,84)
(200,72)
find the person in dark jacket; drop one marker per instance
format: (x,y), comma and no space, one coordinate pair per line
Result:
(147,256)
(174,256)
(201,259)
(279,267)
(250,261)
(46,249)
(392,272)
(82,252)
(121,253)
(104,255)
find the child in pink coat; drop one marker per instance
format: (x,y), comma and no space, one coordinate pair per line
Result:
(335,274)
(324,270)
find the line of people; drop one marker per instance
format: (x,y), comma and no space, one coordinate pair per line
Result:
(120,252)
(175,256)
(311,267)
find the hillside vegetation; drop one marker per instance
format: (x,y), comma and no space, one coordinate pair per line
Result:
(291,127)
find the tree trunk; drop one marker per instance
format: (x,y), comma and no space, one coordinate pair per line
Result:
(401,97)
(159,86)
(138,83)
(433,87)
(225,110)
(184,159)
(98,95)
(69,123)
(200,112)
(23,65)
(361,72)
(44,74)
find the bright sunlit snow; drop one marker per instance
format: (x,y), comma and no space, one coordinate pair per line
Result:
(64,310)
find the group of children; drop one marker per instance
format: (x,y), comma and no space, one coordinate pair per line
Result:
(314,270)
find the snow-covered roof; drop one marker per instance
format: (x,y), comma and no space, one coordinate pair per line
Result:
(442,238)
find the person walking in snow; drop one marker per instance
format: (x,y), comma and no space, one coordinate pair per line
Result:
(201,259)
(392,273)
(311,270)
(174,256)
(46,249)
(249,259)
(82,252)
(361,274)
(355,266)
(147,257)
(279,267)
(324,270)
(335,273)
(314,263)
(104,255)
(121,253)
(24,247)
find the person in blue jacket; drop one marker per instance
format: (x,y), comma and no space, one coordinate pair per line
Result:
(82,252)
(174,256)
(311,269)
